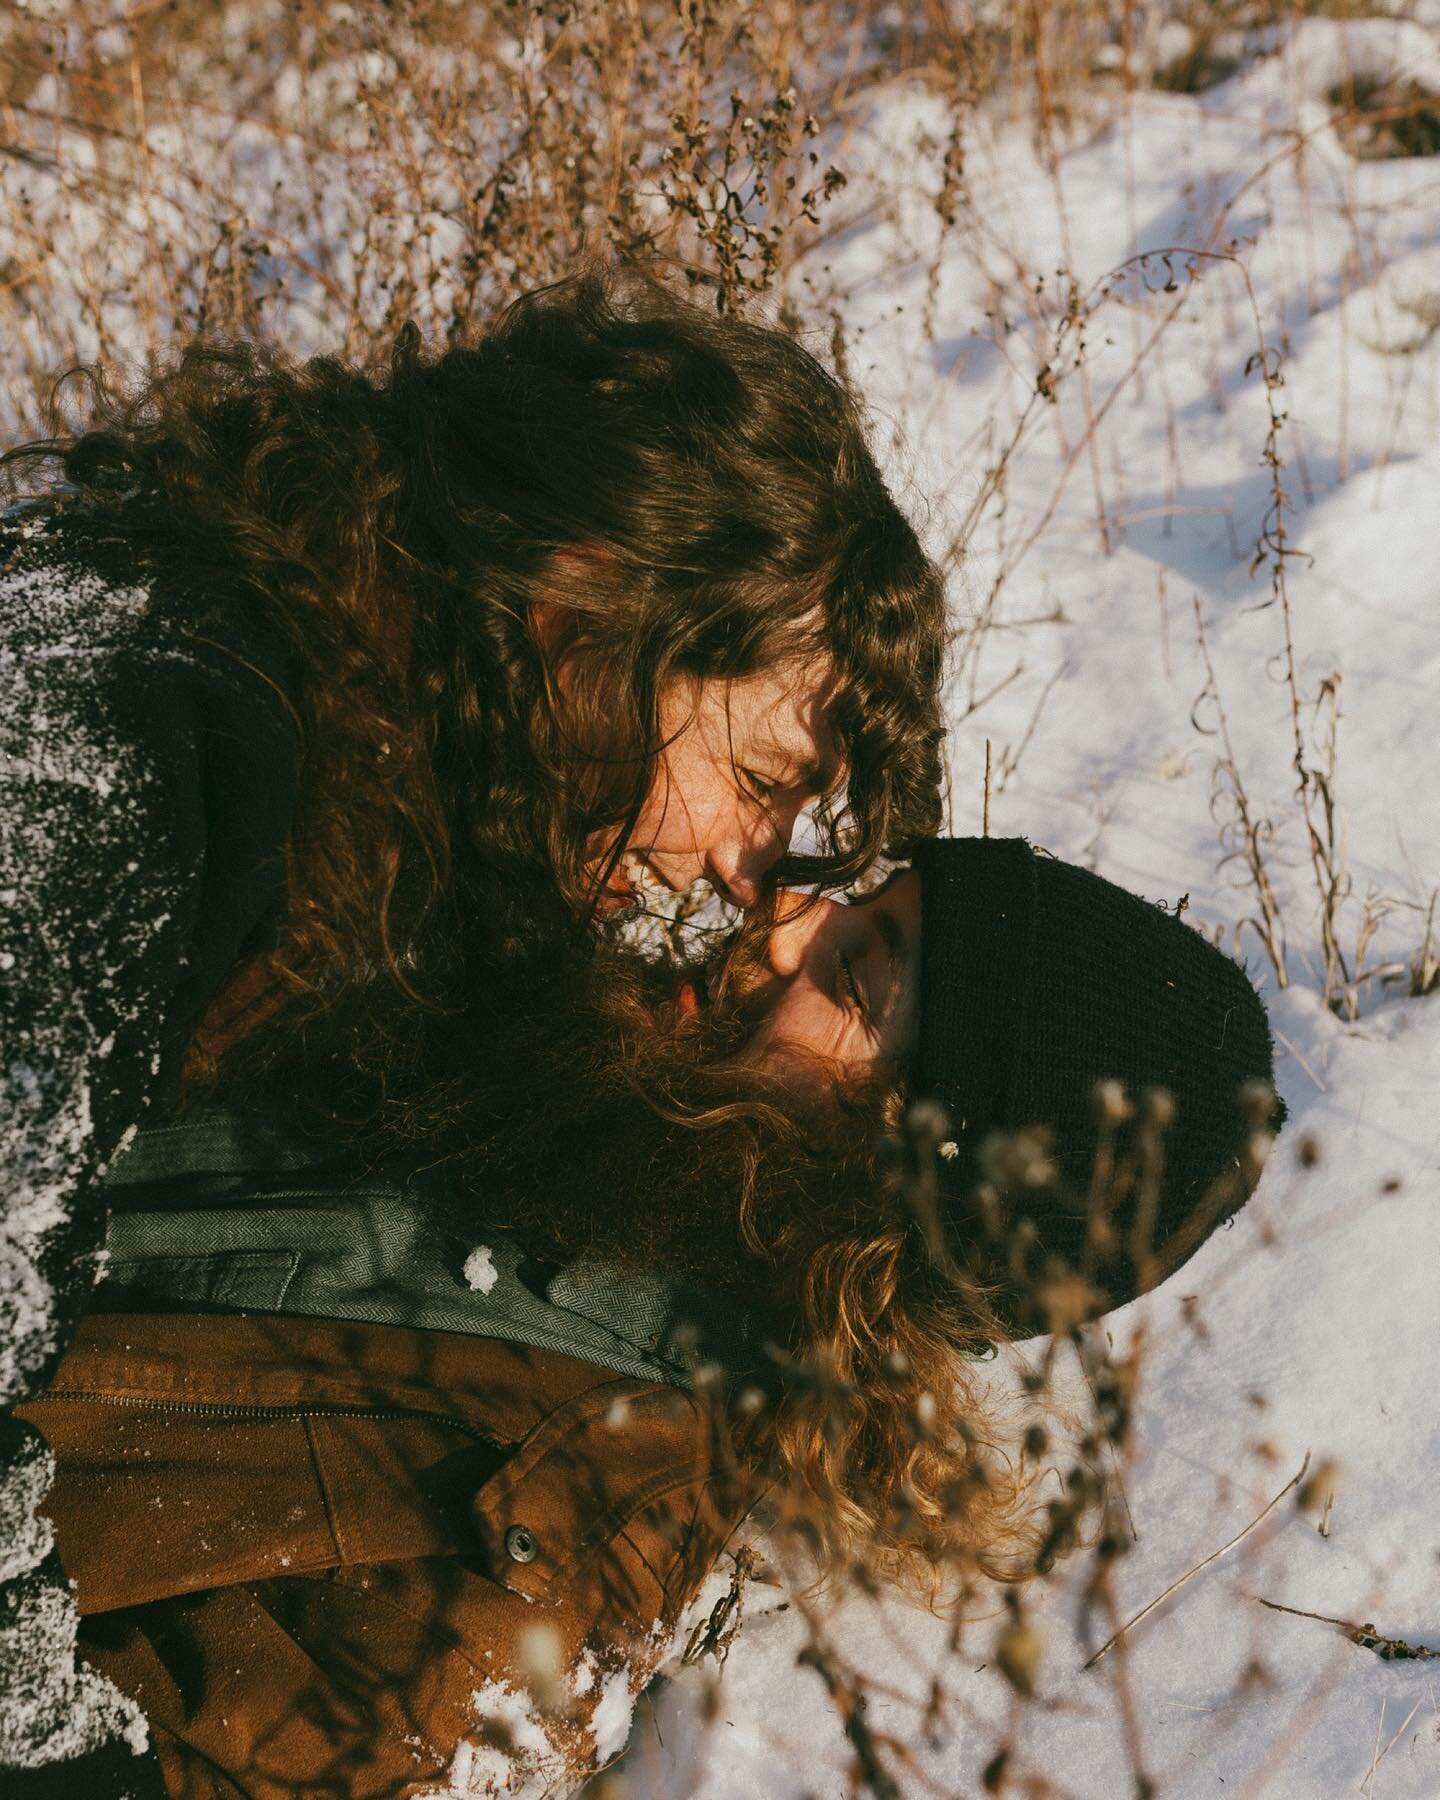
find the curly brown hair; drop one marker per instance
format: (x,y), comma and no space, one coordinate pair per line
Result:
(692,495)
(621,1124)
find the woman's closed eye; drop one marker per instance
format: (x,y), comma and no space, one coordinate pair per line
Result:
(762,787)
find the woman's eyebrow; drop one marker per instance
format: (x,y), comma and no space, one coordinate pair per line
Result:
(810,772)
(809,752)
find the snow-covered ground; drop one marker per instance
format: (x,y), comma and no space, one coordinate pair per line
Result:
(1317,1322)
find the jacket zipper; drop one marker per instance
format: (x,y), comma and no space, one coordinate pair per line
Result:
(319,1409)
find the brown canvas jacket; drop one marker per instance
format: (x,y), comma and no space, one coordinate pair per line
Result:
(323,1555)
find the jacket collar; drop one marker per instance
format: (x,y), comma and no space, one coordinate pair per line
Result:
(244,1210)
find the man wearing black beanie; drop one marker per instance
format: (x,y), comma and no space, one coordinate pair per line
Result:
(1103,1071)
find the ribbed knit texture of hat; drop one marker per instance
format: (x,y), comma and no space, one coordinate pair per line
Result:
(1039,981)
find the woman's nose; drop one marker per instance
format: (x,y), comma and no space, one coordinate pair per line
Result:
(737,868)
(733,886)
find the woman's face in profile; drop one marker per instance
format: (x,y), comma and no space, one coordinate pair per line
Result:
(838,990)
(742,758)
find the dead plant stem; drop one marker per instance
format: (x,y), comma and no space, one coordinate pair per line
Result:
(1214,1556)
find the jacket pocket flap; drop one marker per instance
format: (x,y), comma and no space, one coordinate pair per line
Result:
(592,1467)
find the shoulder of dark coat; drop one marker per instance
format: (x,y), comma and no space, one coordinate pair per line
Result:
(72,584)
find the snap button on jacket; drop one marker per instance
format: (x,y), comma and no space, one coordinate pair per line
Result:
(294,1542)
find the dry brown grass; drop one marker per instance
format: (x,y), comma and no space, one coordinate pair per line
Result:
(321,174)
(324,173)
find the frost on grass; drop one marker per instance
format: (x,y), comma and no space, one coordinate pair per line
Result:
(480,1271)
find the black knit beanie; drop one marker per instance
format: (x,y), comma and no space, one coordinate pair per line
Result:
(1039,981)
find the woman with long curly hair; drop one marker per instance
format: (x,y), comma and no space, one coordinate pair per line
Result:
(340,706)
(368,1464)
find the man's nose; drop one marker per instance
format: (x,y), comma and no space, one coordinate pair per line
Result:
(798,919)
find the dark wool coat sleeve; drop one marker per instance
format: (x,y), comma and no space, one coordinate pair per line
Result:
(145,786)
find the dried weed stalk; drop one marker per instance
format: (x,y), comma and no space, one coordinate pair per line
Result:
(1315,783)
(1245,836)
(323,173)
(1389,1649)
